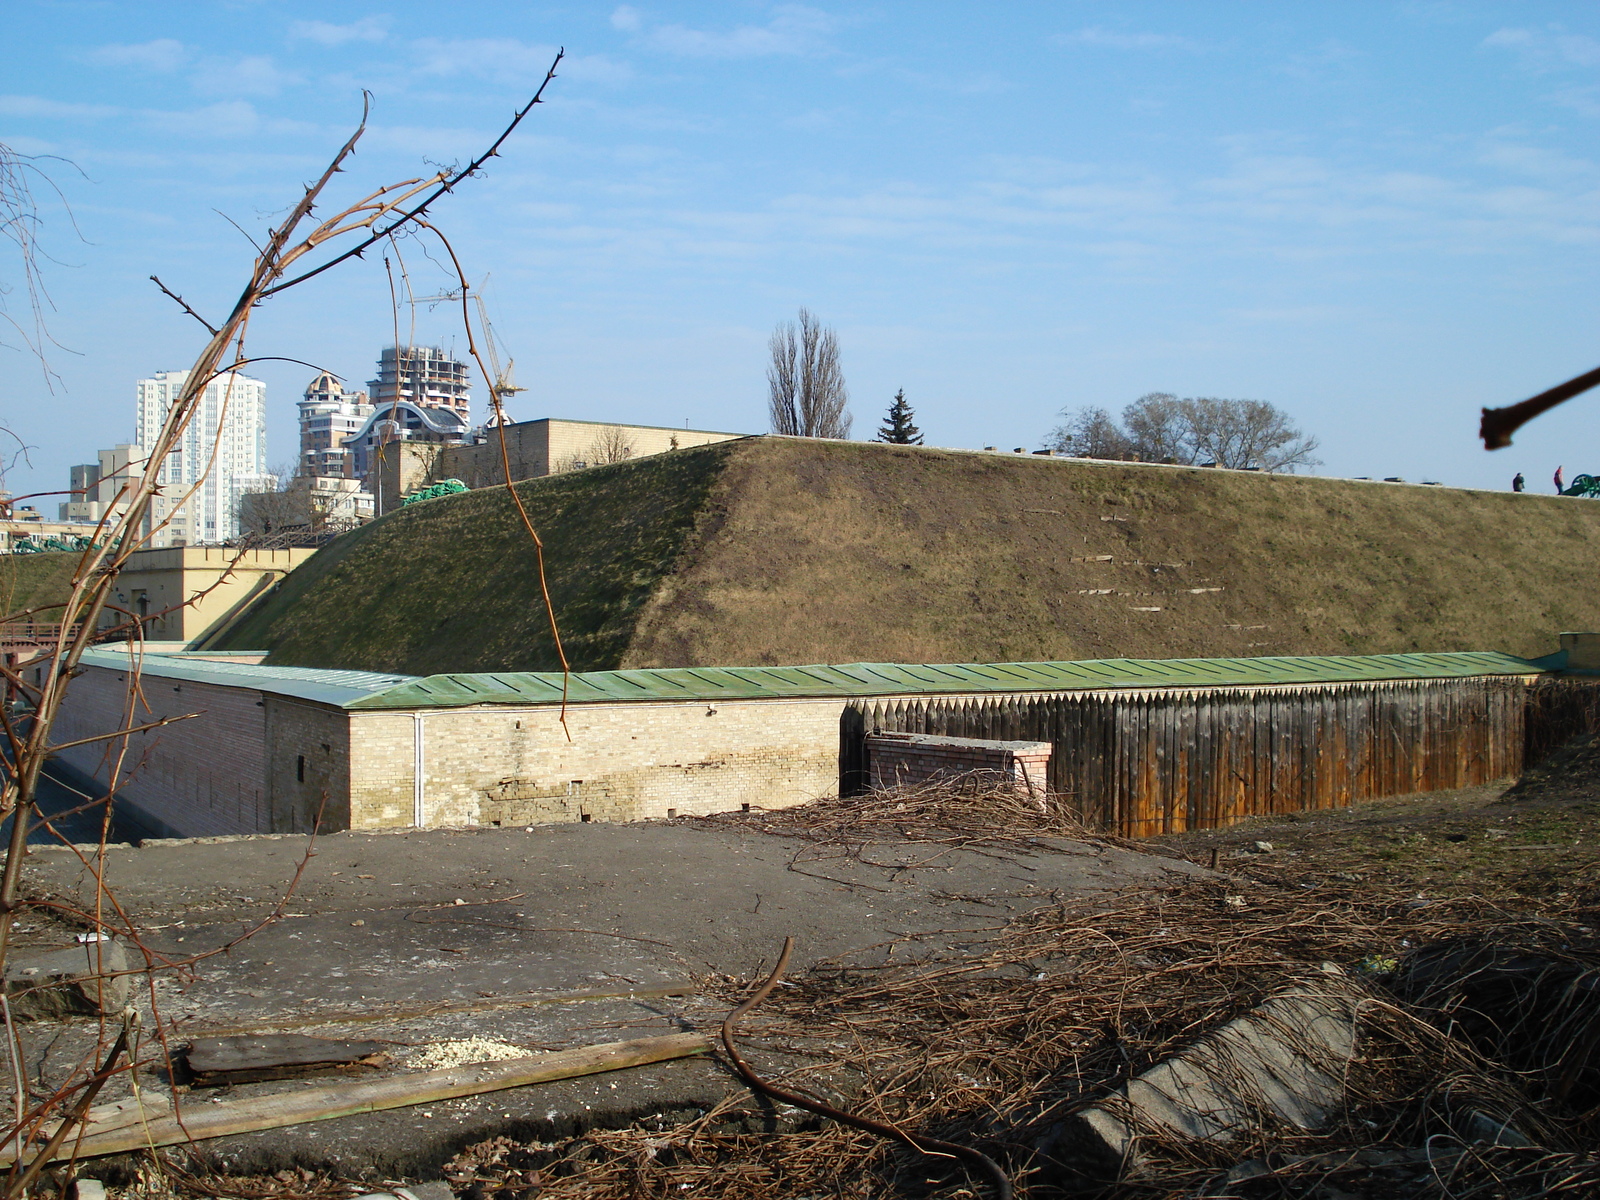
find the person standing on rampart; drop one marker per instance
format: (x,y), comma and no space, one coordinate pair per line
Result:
(1558,481)
(1518,482)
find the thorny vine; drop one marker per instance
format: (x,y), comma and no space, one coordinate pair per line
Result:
(26,729)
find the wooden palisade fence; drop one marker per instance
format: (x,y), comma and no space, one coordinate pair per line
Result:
(1146,762)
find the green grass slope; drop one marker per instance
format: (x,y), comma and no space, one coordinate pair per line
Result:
(787,551)
(452,584)
(817,552)
(36,581)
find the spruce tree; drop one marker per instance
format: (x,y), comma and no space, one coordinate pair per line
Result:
(897,427)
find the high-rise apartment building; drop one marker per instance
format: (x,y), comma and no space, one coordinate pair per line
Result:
(221,455)
(329,415)
(424,375)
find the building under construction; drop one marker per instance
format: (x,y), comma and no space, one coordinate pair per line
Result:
(424,375)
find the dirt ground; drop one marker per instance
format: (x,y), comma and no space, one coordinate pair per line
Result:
(547,937)
(970,976)
(1533,846)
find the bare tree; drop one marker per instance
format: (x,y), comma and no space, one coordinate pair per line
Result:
(19,226)
(610,446)
(1090,433)
(806,395)
(1159,427)
(613,445)
(1248,433)
(264,512)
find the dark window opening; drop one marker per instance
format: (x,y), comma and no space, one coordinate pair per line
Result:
(300,768)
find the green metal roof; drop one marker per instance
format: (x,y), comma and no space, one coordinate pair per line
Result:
(338,688)
(703,684)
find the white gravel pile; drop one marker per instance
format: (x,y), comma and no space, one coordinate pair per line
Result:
(460,1053)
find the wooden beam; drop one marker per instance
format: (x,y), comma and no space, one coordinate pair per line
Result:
(381,1015)
(126,1125)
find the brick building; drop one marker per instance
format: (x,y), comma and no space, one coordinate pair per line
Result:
(548,446)
(271,747)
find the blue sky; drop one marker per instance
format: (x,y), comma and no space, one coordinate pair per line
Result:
(1377,216)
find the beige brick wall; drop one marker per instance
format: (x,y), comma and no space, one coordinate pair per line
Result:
(382,782)
(203,777)
(624,761)
(527,449)
(580,441)
(190,592)
(537,448)
(307,761)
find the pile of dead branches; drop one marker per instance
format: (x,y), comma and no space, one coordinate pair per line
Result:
(959,812)
(994,1045)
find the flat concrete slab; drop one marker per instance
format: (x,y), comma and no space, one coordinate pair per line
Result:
(1282,1064)
(546,938)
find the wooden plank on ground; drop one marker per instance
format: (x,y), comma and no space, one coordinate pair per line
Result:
(372,1015)
(254,1059)
(125,1126)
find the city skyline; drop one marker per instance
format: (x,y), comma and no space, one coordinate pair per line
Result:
(1378,218)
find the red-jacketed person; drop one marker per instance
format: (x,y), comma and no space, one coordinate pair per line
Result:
(1558,481)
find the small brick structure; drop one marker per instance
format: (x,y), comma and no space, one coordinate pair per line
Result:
(897,759)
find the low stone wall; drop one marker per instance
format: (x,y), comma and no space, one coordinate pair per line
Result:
(505,765)
(907,759)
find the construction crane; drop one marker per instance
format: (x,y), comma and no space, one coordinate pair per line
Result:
(504,385)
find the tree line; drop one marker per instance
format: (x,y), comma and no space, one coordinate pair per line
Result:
(1159,427)
(807,397)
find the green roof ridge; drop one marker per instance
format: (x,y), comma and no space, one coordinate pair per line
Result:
(857,679)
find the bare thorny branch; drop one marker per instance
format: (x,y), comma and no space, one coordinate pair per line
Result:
(380,214)
(1498,424)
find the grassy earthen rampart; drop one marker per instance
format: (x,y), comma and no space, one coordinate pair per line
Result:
(36,581)
(774,551)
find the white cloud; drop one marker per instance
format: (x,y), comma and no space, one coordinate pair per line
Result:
(817,119)
(1333,59)
(255,75)
(1553,50)
(229,119)
(1548,49)
(161,55)
(436,144)
(38,106)
(1535,162)
(794,29)
(29,147)
(1295,314)
(324,33)
(1582,100)
(1095,35)
(511,61)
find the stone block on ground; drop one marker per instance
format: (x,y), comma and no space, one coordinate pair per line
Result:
(81,980)
(1281,1064)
